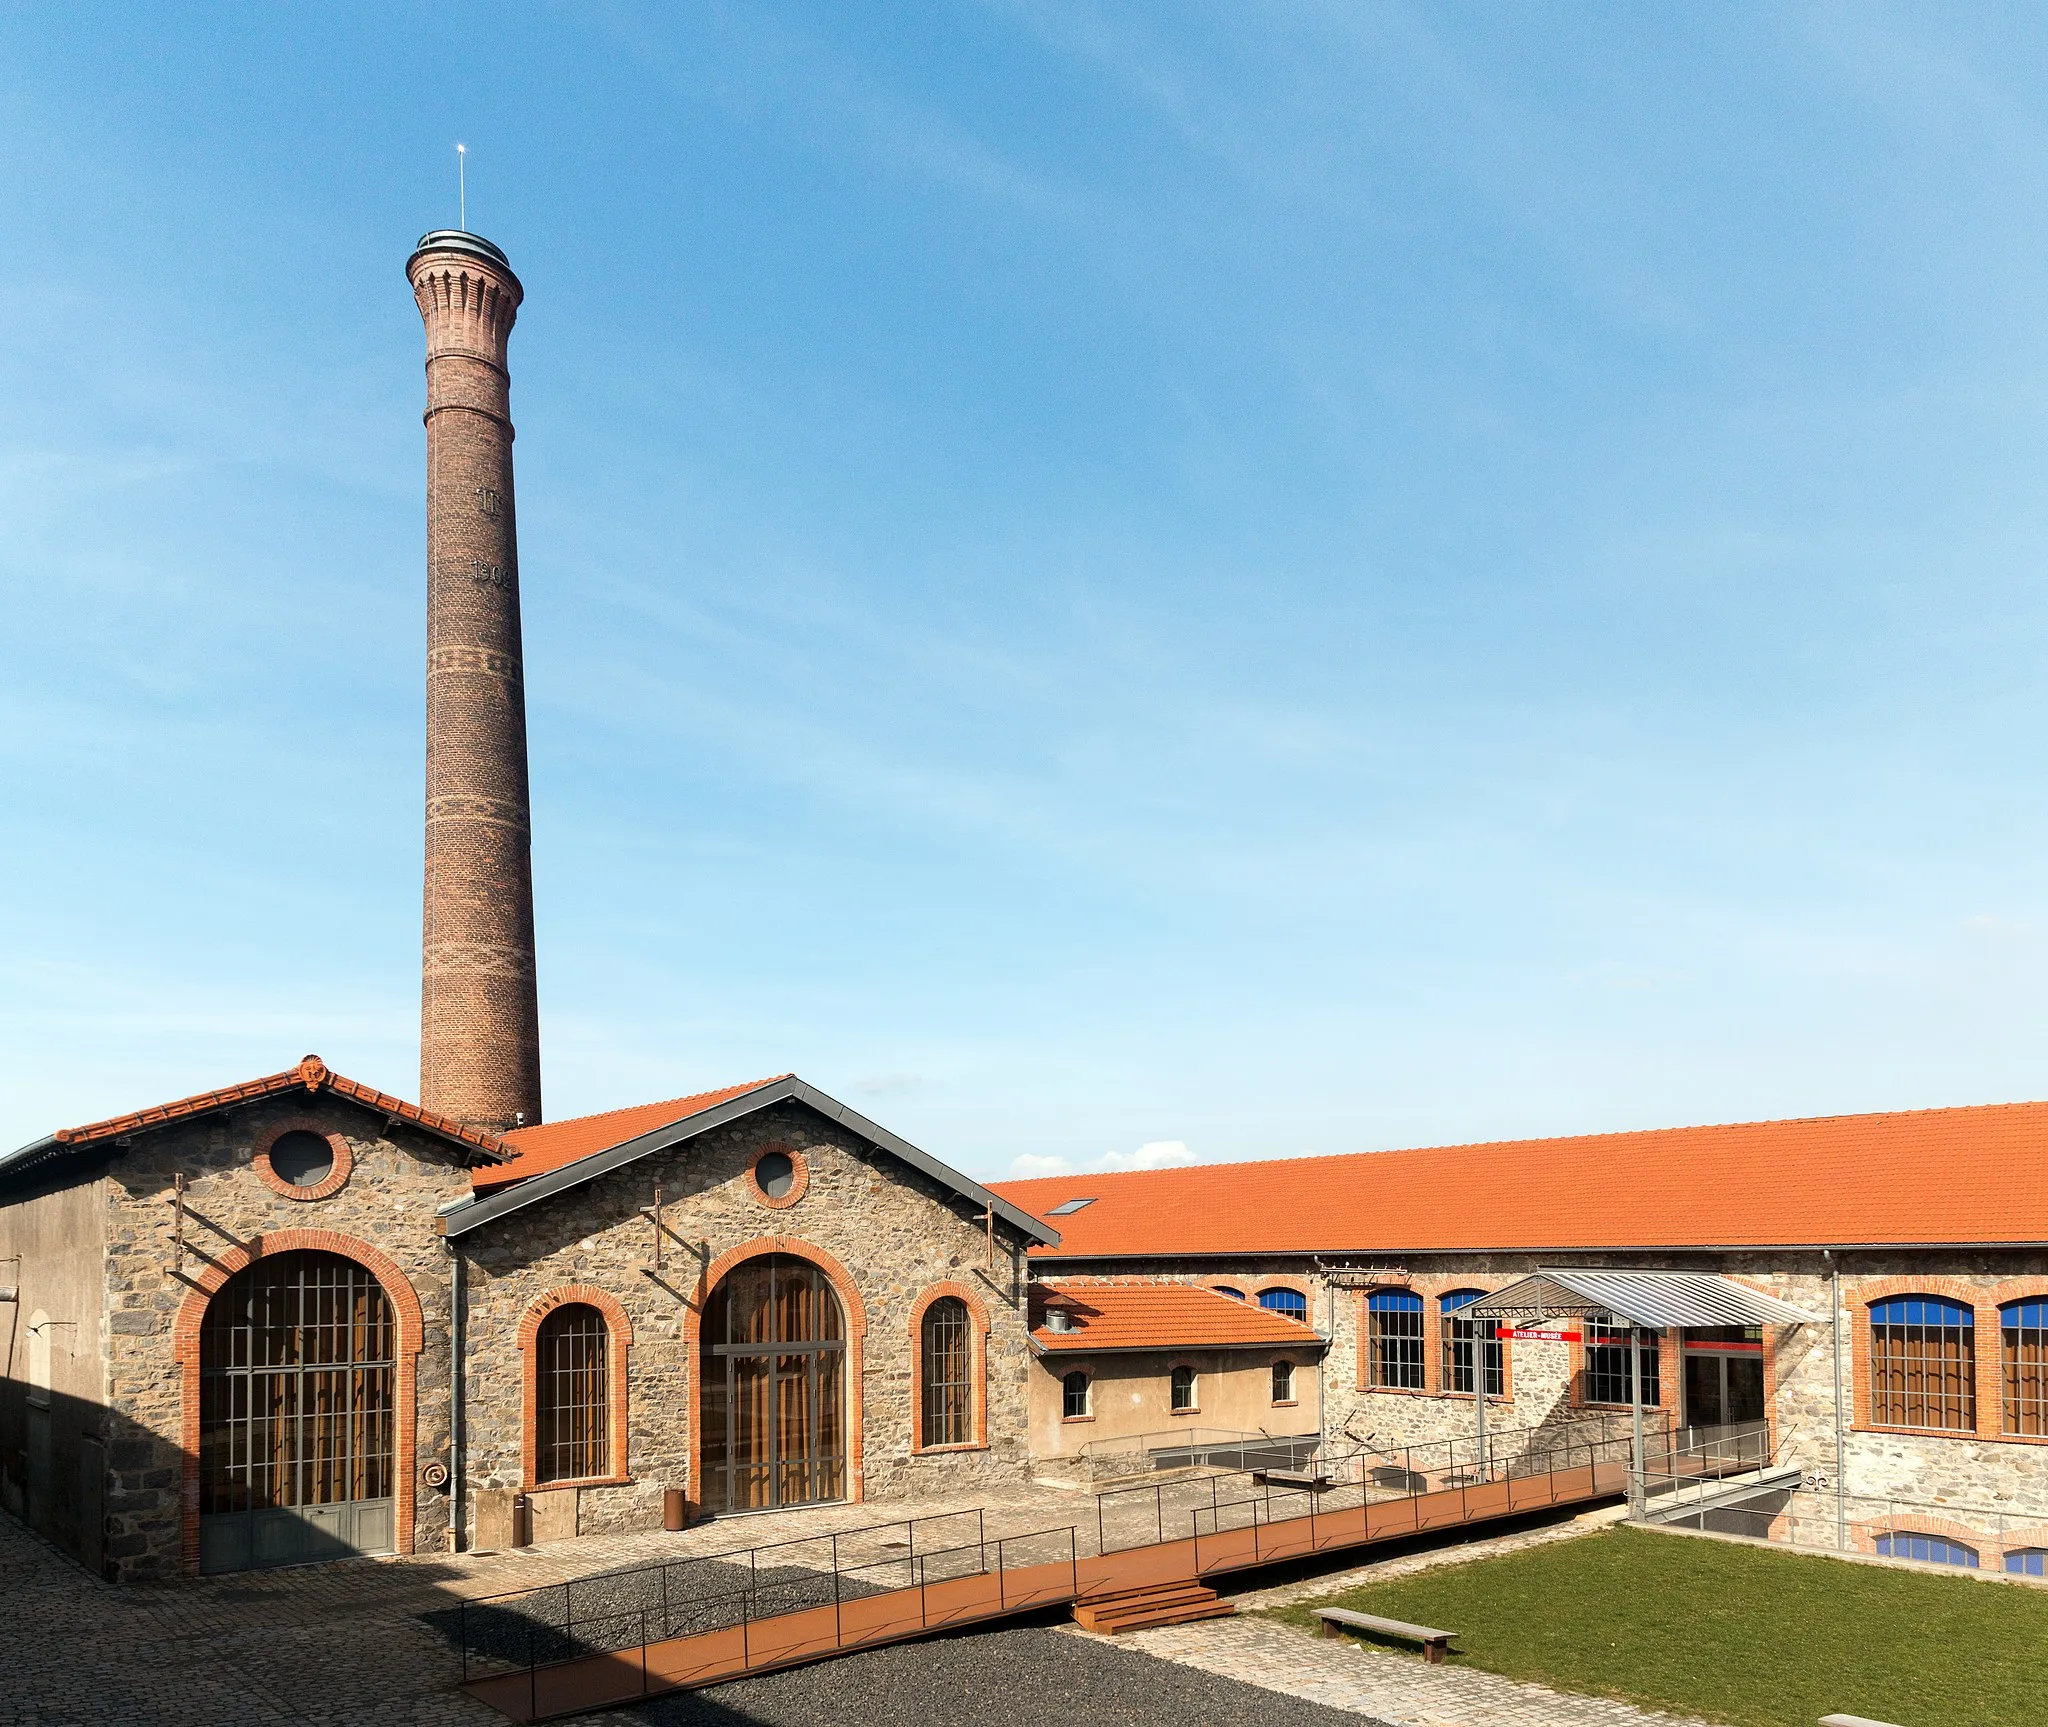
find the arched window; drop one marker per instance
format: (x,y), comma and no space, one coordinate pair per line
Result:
(1283,1382)
(1290,1302)
(572,1404)
(1935,1549)
(1394,1340)
(1183,1390)
(1923,1364)
(39,1359)
(2027,1561)
(1465,1338)
(1225,1289)
(2023,1335)
(1075,1402)
(948,1363)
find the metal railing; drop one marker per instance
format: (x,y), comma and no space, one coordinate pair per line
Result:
(529,1632)
(550,1626)
(2003,1537)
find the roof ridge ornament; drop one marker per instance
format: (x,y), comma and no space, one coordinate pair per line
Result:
(312,1072)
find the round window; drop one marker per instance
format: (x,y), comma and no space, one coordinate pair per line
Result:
(776,1174)
(301,1159)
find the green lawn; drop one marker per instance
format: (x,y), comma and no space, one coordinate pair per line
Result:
(1734,1633)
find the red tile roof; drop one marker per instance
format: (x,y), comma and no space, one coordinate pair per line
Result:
(1943,1176)
(312,1074)
(1161,1316)
(537,1150)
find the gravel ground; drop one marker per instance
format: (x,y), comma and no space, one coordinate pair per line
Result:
(990,1679)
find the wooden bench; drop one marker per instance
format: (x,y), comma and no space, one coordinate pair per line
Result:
(1338,1620)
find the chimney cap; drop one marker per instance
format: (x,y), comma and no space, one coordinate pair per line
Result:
(461,240)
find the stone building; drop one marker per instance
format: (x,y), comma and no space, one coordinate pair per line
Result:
(298,1318)
(1914,1245)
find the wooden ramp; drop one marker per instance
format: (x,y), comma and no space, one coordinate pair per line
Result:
(867,1621)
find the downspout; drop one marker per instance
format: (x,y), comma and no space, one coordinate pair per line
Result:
(1841,1448)
(456,1471)
(1323,1355)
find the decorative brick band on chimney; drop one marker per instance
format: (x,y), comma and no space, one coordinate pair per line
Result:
(479,1011)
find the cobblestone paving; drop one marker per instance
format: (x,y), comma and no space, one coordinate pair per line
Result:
(1399,1689)
(1403,1691)
(356,1644)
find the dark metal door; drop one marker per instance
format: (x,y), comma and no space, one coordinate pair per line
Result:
(296,1360)
(773,1388)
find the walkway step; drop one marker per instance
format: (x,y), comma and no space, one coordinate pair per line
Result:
(1141,1609)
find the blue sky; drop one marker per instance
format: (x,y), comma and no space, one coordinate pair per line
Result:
(1098,579)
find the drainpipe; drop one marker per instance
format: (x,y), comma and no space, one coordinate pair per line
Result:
(456,1472)
(1637,1498)
(1841,1450)
(1323,1355)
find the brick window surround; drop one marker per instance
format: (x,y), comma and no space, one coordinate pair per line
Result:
(1663,1352)
(331,1183)
(405,1313)
(619,1335)
(977,1342)
(852,1309)
(1431,1289)
(800,1179)
(1858,1296)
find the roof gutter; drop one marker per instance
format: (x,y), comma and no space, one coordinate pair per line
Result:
(1238,1255)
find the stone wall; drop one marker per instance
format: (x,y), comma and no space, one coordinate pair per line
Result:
(895,1233)
(1545,1379)
(396,1178)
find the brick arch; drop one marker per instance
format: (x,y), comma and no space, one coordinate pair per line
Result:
(619,1331)
(1986,1546)
(851,1307)
(406,1317)
(1864,1293)
(978,1330)
(1389,1286)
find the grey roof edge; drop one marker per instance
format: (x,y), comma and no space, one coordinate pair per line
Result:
(1307,1345)
(788,1090)
(1645,1297)
(1237,1255)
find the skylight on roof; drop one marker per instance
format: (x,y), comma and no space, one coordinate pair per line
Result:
(1067,1207)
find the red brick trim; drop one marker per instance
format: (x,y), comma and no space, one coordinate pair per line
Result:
(405,1313)
(1432,1289)
(619,1331)
(331,1183)
(852,1308)
(977,1332)
(800,1180)
(1670,1366)
(1989,1302)
(1864,1535)
(1862,1293)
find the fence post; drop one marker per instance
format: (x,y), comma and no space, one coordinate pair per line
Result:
(664,1603)
(532,1678)
(643,1652)
(1159,1514)
(981,1533)
(1002,1589)
(1101,1541)
(838,1635)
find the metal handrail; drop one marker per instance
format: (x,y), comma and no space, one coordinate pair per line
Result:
(747,1598)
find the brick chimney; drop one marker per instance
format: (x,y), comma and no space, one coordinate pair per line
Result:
(479,1014)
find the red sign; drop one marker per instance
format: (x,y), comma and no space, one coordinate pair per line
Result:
(1540,1336)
